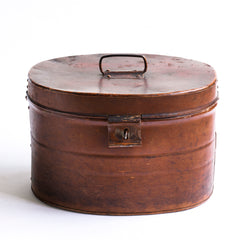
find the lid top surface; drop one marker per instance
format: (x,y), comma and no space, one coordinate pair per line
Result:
(81,74)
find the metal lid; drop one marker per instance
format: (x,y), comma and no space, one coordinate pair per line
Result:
(100,85)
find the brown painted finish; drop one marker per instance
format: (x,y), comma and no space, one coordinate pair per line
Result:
(78,163)
(75,85)
(81,74)
(115,104)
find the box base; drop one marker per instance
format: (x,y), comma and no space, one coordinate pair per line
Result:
(120,213)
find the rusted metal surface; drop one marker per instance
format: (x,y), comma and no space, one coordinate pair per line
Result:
(101,148)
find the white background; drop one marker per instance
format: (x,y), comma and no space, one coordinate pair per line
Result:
(33,31)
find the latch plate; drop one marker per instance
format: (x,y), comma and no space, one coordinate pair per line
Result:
(124,131)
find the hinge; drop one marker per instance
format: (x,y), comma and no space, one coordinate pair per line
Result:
(124,131)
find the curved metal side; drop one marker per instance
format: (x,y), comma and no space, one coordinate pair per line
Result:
(73,168)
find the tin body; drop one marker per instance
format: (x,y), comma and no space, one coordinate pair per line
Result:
(107,154)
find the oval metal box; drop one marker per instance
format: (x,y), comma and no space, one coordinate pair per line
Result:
(122,134)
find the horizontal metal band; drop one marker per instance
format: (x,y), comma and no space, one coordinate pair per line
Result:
(182,114)
(157,116)
(208,144)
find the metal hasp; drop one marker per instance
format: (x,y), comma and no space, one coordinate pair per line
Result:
(124,131)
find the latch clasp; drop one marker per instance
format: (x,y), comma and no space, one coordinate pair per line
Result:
(124,131)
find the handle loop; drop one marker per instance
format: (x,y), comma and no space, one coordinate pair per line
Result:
(122,72)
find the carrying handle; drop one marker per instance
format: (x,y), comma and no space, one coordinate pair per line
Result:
(123,72)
